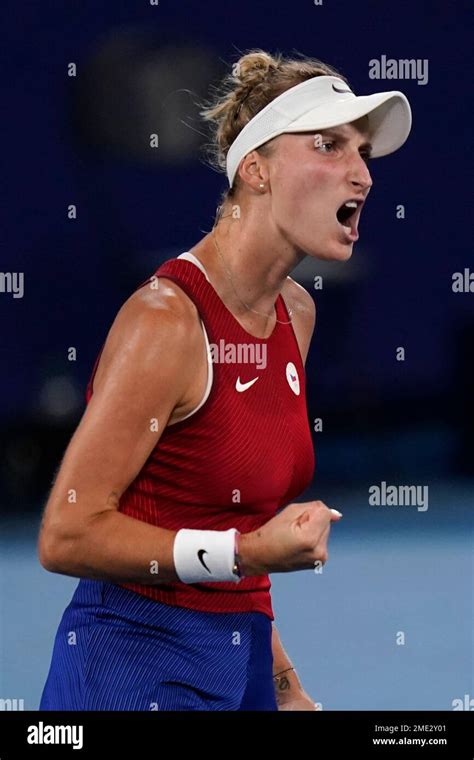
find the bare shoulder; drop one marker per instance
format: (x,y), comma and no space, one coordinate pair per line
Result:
(157,320)
(300,301)
(303,310)
(161,297)
(161,306)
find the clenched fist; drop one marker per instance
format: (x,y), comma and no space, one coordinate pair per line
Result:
(292,540)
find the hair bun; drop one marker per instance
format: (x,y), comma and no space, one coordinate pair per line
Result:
(253,68)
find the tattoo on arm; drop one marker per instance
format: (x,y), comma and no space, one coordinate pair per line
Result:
(283,684)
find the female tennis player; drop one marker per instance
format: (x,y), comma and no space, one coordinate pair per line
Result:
(168,502)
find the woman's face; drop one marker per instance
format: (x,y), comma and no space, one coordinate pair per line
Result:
(311,176)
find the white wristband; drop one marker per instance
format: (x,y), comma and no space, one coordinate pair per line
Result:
(205,555)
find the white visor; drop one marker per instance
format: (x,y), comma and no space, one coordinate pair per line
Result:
(320,103)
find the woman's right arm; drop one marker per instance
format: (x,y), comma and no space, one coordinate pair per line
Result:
(147,367)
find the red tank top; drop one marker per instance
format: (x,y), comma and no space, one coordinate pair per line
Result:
(245,453)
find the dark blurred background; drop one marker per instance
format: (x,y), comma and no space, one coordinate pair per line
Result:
(85,84)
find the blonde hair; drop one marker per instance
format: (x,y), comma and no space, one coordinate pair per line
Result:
(256,79)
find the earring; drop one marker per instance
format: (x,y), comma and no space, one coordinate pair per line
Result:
(262,184)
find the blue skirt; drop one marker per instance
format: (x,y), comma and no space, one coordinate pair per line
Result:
(118,650)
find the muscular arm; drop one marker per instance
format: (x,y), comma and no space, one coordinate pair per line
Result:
(145,369)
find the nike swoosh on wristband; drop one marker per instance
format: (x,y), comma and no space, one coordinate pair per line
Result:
(201,553)
(243,386)
(336,89)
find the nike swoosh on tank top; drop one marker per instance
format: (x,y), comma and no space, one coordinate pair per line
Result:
(238,458)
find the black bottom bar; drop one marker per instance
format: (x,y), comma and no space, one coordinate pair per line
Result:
(375,734)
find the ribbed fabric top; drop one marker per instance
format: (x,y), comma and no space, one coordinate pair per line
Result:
(245,453)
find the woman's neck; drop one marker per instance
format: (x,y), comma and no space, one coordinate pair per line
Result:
(244,267)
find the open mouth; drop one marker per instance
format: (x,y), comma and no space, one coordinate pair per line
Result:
(348,216)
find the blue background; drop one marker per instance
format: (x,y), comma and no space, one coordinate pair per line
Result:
(391,568)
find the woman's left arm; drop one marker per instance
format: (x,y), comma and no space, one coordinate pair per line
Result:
(289,692)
